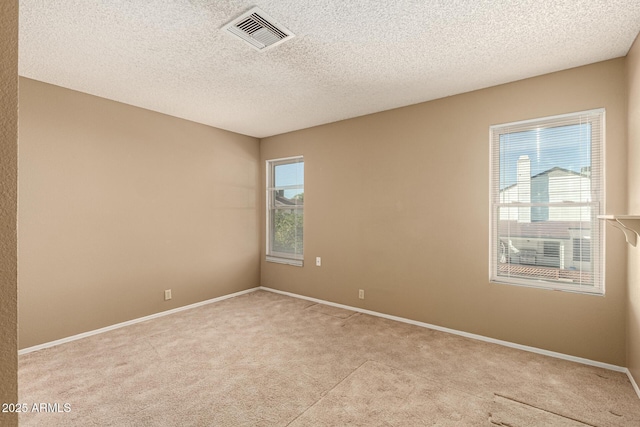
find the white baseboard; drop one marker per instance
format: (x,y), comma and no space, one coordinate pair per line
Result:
(633,382)
(131,322)
(466,335)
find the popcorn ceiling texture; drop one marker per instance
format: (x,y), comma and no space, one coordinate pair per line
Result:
(8,207)
(347,59)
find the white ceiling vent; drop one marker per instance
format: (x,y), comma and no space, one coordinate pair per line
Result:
(258,29)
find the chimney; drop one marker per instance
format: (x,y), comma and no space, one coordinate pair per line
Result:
(524,188)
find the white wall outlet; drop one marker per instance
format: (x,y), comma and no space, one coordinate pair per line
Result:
(167,295)
(318,261)
(361,293)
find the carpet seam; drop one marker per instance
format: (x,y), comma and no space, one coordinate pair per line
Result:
(545,410)
(310,307)
(328,391)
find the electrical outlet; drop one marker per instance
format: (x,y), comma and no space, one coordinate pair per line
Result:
(361,293)
(318,261)
(167,295)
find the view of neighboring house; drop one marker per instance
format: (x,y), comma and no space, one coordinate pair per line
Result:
(538,231)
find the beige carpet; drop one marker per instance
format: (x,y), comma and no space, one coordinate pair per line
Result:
(264,359)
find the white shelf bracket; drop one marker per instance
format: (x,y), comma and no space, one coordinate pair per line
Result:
(628,224)
(630,235)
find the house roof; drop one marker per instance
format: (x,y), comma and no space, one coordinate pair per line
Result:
(558,169)
(543,229)
(285,201)
(347,59)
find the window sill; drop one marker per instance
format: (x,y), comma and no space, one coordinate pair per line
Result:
(288,261)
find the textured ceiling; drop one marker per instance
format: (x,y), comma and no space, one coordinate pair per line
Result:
(349,58)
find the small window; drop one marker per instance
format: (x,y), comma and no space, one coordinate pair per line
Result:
(582,250)
(546,194)
(552,249)
(285,210)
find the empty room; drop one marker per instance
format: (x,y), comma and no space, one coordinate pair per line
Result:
(295,213)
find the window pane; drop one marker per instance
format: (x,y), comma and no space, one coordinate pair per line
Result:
(563,149)
(284,198)
(549,250)
(287,231)
(289,174)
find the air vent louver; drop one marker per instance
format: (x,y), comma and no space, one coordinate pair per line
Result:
(258,29)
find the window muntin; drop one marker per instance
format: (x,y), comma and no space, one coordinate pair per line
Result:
(285,210)
(546,193)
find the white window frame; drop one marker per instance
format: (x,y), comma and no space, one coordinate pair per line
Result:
(597,206)
(271,255)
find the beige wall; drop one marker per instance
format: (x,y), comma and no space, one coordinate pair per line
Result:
(633,307)
(8,206)
(397,204)
(118,204)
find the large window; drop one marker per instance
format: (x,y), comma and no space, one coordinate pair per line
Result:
(285,210)
(546,193)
